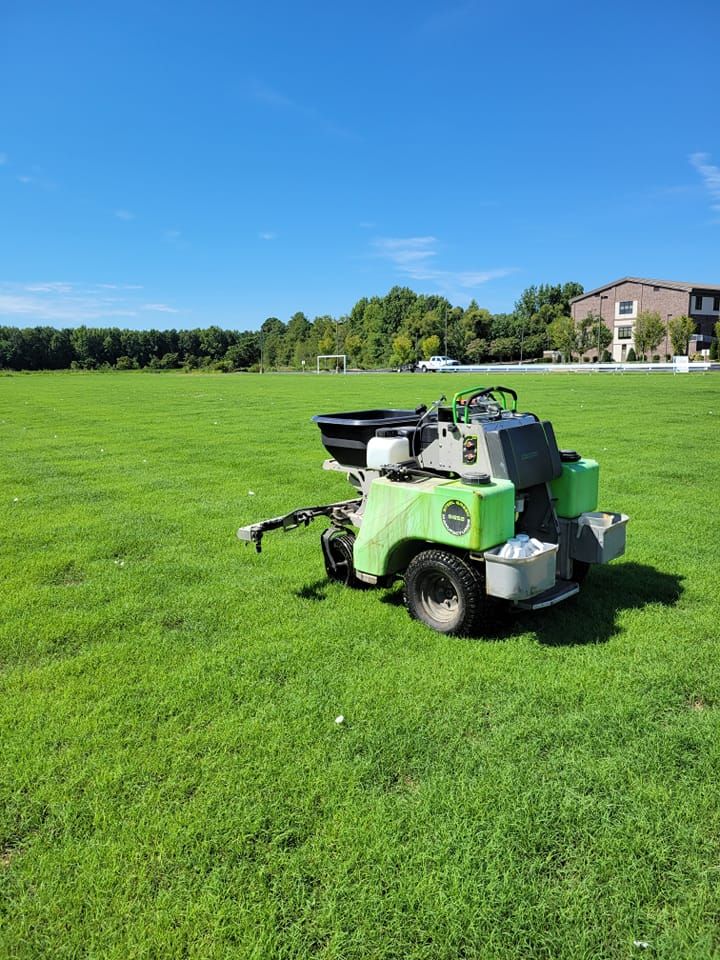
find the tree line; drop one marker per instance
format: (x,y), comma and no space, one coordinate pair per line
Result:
(401,327)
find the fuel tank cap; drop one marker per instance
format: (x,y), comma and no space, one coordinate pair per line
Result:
(475,479)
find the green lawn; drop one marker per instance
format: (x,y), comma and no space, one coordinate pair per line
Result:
(172,779)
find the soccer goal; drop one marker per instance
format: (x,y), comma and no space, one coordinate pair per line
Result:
(331,363)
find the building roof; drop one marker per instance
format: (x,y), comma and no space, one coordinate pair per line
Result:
(649,282)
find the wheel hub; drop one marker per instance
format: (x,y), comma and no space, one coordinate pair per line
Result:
(439,596)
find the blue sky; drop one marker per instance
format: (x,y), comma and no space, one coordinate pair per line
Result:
(186,163)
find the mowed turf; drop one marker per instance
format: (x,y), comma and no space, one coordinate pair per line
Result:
(172,779)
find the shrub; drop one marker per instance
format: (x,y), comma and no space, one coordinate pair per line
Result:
(606,357)
(631,357)
(656,358)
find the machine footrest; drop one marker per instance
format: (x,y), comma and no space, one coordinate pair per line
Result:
(562,590)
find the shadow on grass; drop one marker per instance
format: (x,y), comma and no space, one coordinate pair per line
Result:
(314,591)
(591,617)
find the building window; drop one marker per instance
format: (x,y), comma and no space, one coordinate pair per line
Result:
(624,333)
(698,303)
(716,304)
(625,307)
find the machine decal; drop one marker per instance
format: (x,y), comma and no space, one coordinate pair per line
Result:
(456,517)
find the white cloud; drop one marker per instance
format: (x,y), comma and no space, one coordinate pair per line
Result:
(172,236)
(124,215)
(413,258)
(64,303)
(25,178)
(403,251)
(267,235)
(52,287)
(159,308)
(710,176)
(276,100)
(59,308)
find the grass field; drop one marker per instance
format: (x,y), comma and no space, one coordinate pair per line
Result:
(172,779)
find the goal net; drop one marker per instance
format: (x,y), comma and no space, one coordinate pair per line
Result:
(332,363)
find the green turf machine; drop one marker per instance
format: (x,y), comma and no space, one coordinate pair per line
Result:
(465,501)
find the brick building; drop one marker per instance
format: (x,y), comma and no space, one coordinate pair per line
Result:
(619,304)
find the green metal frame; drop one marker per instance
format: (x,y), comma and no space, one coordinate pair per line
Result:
(501,398)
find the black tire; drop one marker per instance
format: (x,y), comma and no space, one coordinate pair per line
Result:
(340,546)
(444,592)
(423,368)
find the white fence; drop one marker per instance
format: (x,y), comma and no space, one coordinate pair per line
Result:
(695,367)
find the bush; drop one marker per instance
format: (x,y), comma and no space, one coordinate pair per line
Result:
(631,357)
(656,358)
(714,350)
(606,357)
(125,363)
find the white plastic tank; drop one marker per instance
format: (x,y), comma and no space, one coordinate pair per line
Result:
(384,450)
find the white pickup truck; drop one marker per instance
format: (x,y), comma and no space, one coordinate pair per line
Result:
(436,363)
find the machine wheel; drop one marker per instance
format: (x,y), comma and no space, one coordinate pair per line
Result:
(580,570)
(338,553)
(443,591)
(423,368)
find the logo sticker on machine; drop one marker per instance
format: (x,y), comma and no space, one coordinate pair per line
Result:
(456,517)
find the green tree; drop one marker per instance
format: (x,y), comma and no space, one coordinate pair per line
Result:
(353,347)
(599,333)
(429,346)
(87,345)
(504,348)
(648,331)
(402,350)
(374,345)
(474,325)
(296,334)
(563,336)
(245,352)
(272,335)
(535,310)
(583,334)
(478,350)
(680,330)
(213,342)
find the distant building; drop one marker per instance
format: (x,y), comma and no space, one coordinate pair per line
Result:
(619,303)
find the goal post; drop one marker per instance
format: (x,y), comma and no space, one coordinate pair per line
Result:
(333,368)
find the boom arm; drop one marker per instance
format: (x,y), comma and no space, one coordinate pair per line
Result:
(254,532)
